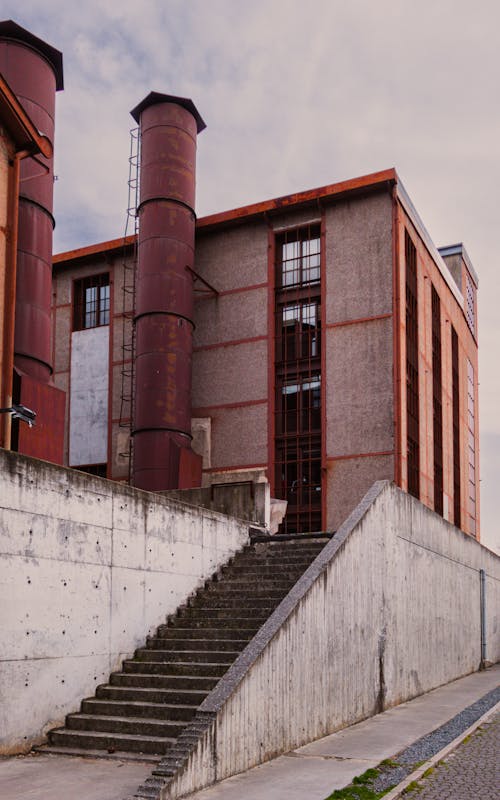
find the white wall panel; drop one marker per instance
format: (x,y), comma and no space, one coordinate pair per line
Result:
(88,437)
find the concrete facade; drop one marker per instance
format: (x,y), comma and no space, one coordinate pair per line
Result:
(89,568)
(359,633)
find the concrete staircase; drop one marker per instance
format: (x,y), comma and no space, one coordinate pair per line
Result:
(140,713)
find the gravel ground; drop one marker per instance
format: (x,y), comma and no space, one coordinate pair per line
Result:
(426,747)
(470,771)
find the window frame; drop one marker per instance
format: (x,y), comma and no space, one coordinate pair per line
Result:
(98,310)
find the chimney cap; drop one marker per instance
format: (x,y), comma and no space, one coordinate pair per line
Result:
(11,31)
(153,98)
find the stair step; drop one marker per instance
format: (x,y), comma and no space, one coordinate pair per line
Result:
(242,583)
(184,656)
(174,683)
(94,740)
(119,755)
(207,669)
(144,707)
(176,633)
(143,726)
(252,616)
(139,708)
(157,643)
(277,560)
(243,591)
(247,573)
(146,792)
(151,695)
(238,603)
(151,787)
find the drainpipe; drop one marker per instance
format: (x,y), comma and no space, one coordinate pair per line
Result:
(482,596)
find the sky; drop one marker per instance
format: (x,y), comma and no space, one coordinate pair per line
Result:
(295,95)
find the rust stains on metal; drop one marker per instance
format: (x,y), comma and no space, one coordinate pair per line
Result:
(331,192)
(365,182)
(33,70)
(164,290)
(113,245)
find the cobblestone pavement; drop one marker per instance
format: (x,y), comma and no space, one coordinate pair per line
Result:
(469,772)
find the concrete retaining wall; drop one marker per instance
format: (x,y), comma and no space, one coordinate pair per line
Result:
(390,609)
(87,569)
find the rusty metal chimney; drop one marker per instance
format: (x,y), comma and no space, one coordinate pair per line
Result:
(33,70)
(162,458)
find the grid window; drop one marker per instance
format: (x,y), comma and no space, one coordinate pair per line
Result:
(456,428)
(91,302)
(412,395)
(470,303)
(300,331)
(471,422)
(437,402)
(298,378)
(299,253)
(301,406)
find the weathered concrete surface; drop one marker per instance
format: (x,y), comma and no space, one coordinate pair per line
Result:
(40,777)
(88,568)
(387,611)
(246,500)
(315,770)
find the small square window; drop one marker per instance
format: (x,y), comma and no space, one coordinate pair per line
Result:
(91,302)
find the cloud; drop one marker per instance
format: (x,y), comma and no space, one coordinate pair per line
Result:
(295,95)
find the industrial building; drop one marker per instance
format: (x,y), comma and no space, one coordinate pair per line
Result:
(332,345)
(317,344)
(319,341)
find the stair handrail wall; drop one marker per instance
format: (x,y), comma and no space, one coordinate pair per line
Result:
(347,643)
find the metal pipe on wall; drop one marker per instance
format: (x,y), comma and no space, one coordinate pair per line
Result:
(482,595)
(10,301)
(164,289)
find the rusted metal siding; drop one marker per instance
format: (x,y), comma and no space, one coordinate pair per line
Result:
(46,439)
(34,78)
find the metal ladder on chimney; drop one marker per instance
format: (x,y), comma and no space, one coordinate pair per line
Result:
(129,264)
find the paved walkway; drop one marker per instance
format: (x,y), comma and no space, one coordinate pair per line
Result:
(308,773)
(471,771)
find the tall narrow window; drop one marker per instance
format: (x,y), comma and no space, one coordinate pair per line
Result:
(412,398)
(437,402)
(470,303)
(456,428)
(471,425)
(298,377)
(91,302)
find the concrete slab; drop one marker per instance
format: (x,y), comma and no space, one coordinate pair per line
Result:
(312,772)
(291,776)
(38,777)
